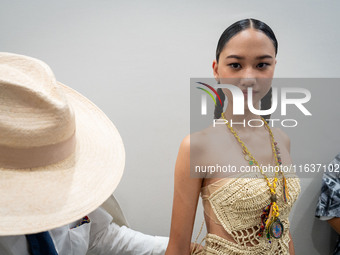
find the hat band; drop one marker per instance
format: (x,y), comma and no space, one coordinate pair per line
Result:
(36,156)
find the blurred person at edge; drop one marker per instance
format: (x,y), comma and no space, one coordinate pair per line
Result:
(328,207)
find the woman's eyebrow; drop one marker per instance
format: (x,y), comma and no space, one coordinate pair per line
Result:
(239,57)
(264,56)
(235,56)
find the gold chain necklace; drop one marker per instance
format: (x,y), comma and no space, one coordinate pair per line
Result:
(270,223)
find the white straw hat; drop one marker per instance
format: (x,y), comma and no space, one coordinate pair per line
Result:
(60,155)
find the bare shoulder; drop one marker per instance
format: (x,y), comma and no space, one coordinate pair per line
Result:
(198,141)
(192,151)
(281,137)
(280,133)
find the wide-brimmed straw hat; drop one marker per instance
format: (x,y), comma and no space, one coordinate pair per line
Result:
(60,156)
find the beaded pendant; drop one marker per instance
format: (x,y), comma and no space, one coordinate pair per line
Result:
(276,229)
(271,225)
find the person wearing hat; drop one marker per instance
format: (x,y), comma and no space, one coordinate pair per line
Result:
(61,158)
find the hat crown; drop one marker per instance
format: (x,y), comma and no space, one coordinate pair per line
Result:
(33,109)
(61,157)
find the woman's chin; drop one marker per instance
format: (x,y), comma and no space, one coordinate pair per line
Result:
(246,107)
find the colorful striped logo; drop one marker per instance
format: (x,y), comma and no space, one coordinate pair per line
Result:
(212,89)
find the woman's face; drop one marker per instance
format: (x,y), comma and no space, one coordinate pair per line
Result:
(247,60)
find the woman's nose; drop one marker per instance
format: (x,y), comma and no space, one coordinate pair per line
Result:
(248,78)
(247,82)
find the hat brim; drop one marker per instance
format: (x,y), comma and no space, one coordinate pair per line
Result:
(38,199)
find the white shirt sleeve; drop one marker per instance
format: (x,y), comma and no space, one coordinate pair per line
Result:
(326,217)
(161,243)
(112,239)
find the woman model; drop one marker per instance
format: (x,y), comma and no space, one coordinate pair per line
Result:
(243,215)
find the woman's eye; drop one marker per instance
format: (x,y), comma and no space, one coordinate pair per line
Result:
(263,65)
(235,65)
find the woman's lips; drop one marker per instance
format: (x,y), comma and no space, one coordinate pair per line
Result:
(245,93)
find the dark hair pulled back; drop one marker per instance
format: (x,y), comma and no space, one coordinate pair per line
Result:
(230,32)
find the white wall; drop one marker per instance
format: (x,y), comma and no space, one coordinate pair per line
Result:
(134,59)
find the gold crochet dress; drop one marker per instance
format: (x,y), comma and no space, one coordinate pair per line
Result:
(237,204)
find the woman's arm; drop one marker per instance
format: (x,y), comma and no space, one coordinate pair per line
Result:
(291,245)
(335,224)
(186,194)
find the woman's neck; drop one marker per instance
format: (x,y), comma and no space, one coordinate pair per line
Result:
(242,122)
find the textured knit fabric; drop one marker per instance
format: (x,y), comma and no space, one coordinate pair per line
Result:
(236,204)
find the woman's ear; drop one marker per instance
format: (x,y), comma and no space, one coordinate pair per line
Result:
(215,70)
